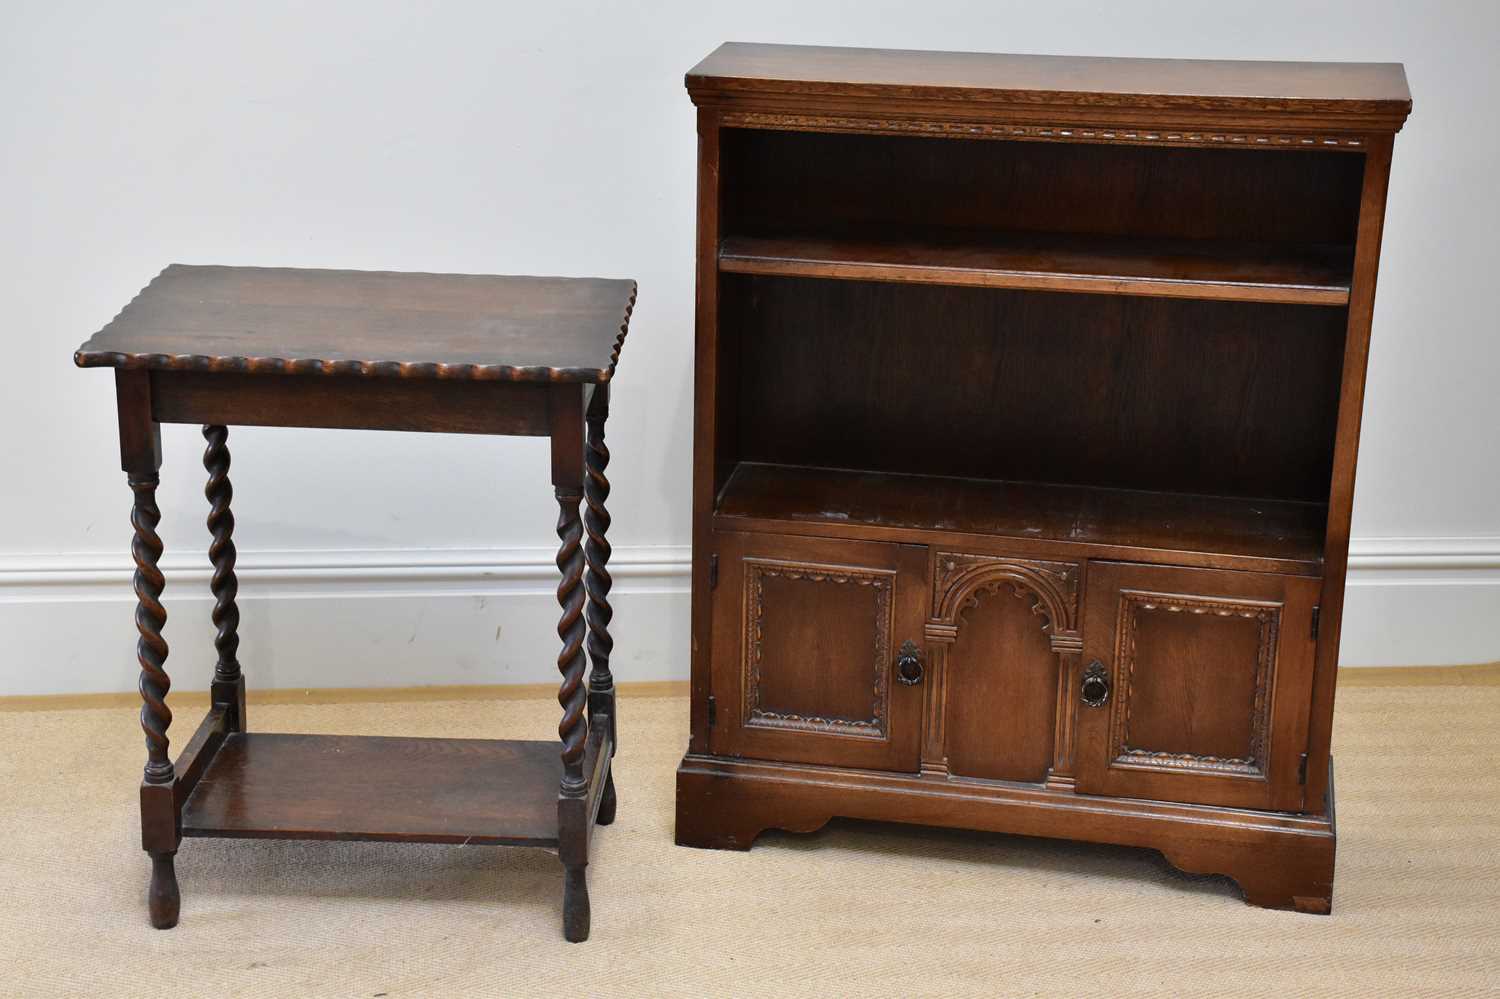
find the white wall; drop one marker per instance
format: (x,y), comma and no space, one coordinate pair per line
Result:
(557,139)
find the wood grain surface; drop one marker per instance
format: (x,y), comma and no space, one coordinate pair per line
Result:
(1366,94)
(336,322)
(276,786)
(1316,275)
(887,506)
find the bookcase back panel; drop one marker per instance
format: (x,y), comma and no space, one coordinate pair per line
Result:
(1218,398)
(778,182)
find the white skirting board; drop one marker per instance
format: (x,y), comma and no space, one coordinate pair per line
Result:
(1422,602)
(335,619)
(417,617)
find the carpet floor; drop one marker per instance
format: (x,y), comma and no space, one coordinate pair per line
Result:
(858,909)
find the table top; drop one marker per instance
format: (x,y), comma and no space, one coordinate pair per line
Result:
(369,323)
(1373,94)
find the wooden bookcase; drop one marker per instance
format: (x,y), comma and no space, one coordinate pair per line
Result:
(1028,397)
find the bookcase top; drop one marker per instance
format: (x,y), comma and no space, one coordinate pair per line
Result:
(1350,96)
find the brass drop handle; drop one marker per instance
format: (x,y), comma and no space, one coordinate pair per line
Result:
(1095,686)
(909,664)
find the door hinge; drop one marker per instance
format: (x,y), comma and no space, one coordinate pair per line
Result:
(1317,613)
(713,717)
(1302,770)
(713,571)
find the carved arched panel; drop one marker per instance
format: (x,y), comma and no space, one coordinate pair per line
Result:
(1005,634)
(1001,689)
(958,579)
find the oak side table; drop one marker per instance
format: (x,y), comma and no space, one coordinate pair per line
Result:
(381,351)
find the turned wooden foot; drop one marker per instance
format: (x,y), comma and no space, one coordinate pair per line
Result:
(162,897)
(575,904)
(158,807)
(572,795)
(607,801)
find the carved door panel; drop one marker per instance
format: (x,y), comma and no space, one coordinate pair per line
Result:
(1195,685)
(1005,637)
(807,635)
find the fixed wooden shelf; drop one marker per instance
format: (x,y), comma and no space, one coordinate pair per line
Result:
(1214,531)
(1221,270)
(496,792)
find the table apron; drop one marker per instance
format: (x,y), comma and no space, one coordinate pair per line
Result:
(355,403)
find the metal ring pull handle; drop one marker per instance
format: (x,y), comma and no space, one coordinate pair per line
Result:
(909,664)
(1095,686)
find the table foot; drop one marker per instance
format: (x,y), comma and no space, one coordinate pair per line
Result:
(607,802)
(163,898)
(575,904)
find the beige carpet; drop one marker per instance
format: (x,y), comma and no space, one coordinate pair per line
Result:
(854,910)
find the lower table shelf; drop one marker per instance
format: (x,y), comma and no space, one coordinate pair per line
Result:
(336,787)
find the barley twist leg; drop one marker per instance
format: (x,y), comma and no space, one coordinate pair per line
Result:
(228,683)
(163,899)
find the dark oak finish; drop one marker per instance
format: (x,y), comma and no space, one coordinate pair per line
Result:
(999,711)
(228,689)
(1279,861)
(273,320)
(791,184)
(201,750)
(567,421)
(1341,494)
(1152,394)
(802,662)
(597,580)
(351,403)
(1219,531)
(1027,402)
(473,791)
(1209,677)
(1292,96)
(140,458)
(382,351)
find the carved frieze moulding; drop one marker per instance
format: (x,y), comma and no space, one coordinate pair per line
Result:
(1026,131)
(959,579)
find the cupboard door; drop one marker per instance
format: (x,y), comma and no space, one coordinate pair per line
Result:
(1000,678)
(806,638)
(1195,685)
(1005,631)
